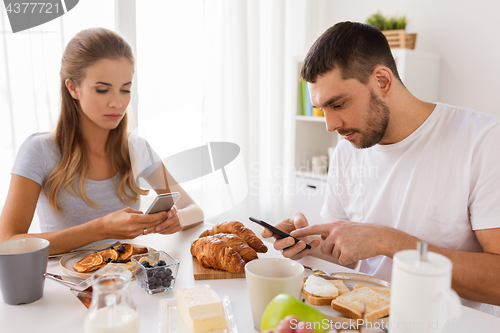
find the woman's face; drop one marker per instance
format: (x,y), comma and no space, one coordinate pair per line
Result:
(104,93)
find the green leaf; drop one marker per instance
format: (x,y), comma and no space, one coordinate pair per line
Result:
(387,23)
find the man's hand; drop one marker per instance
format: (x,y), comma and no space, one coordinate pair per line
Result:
(287,245)
(348,242)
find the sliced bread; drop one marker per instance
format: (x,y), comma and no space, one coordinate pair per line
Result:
(351,304)
(386,291)
(320,300)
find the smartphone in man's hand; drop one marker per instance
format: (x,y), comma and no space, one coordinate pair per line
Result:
(275,230)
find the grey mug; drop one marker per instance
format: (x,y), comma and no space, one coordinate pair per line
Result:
(23,263)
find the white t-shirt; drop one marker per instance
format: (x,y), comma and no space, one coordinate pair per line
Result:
(439,184)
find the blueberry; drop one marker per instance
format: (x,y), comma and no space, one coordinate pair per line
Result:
(170,278)
(166,283)
(120,249)
(162,263)
(120,261)
(149,273)
(108,260)
(114,261)
(158,282)
(146,264)
(152,280)
(168,271)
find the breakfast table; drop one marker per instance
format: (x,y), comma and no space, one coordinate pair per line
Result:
(59,310)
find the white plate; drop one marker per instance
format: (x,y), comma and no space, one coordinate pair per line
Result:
(171,322)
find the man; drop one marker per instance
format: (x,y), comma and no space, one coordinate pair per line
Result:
(407,170)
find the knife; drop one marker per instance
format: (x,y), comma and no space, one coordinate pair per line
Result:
(327,276)
(349,276)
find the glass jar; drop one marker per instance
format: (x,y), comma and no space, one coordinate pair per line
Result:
(112,309)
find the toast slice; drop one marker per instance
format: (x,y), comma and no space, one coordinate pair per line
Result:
(386,291)
(320,300)
(351,304)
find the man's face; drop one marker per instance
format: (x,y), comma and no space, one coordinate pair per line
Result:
(351,108)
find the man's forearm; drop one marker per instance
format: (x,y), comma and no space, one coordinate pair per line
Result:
(476,276)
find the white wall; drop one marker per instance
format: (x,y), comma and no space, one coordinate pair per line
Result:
(465,33)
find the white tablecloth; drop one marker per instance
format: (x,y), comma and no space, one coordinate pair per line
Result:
(60,311)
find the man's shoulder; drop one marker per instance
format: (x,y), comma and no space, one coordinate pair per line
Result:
(467,118)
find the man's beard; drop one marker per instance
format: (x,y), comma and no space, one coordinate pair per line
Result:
(377,121)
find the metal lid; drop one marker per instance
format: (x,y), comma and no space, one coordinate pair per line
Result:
(422,262)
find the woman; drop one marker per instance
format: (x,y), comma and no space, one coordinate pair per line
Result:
(80,178)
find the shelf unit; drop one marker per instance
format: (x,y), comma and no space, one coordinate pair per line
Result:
(311,139)
(313,119)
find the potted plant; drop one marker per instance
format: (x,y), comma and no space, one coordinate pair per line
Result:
(394,30)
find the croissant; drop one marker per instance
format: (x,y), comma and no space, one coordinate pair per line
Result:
(212,252)
(237,228)
(239,245)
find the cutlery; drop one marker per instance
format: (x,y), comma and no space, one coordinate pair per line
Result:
(69,281)
(327,276)
(84,249)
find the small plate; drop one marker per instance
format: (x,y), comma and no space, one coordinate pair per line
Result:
(66,263)
(350,280)
(171,322)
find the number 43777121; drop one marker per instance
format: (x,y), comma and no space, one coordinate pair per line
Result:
(32,8)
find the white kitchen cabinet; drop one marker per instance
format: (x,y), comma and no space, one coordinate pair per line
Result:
(310,194)
(419,72)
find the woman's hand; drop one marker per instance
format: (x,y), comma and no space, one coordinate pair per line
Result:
(129,223)
(172,224)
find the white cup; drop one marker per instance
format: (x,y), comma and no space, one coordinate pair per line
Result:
(269,277)
(421,296)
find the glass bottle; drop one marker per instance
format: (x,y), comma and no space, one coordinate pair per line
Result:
(112,309)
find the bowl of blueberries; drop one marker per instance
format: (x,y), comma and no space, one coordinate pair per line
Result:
(155,271)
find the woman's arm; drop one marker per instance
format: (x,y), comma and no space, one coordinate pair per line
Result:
(19,208)
(17,215)
(189,213)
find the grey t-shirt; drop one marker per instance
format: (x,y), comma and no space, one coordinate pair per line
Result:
(36,159)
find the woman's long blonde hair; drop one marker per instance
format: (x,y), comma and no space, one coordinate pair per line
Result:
(84,50)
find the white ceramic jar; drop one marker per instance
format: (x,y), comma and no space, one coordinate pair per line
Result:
(421,296)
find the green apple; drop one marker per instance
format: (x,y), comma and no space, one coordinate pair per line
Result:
(284,305)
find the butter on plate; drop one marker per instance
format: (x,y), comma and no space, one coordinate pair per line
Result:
(201,309)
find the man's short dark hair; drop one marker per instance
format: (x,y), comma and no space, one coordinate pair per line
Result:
(353,48)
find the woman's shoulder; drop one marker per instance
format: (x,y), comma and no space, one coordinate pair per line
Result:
(42,142)
(40,138)
(36,157)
